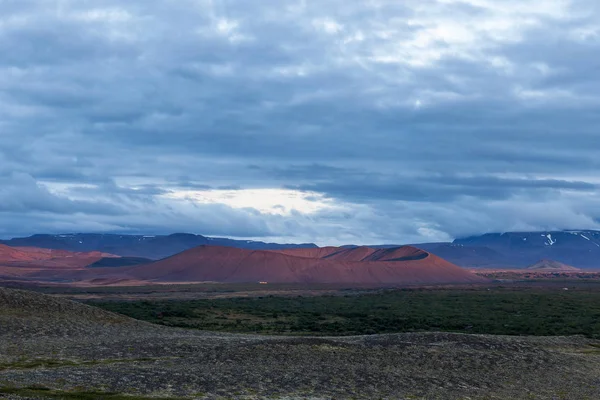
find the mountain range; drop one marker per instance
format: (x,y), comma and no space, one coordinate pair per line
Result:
(206,263)
(152,247)
(579,248)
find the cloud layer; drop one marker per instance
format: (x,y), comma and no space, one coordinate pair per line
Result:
(369,122)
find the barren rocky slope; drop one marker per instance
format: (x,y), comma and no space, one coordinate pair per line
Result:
(32,315)
(108,353)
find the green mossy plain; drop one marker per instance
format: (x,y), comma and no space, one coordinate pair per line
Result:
(497,310)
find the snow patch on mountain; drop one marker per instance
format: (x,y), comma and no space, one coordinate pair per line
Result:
(550,241)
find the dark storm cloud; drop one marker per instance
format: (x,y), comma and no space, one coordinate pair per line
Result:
(415,120)
(441,188)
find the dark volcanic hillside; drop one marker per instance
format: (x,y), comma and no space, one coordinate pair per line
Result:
(405,265)
(39,315)
(53,348)
(152,247)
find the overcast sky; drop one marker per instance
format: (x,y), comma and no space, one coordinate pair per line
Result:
(330,121)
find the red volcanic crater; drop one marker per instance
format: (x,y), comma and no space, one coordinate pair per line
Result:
(358,265)
(401,265)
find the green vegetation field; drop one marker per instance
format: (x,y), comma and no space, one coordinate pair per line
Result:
(496,310)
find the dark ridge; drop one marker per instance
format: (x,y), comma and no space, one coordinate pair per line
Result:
(381,253)
(417,257)
(112,262)
(340,251)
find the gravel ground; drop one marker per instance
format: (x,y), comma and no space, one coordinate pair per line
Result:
(62,345)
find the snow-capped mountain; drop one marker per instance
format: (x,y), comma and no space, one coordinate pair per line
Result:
(529,240)
(580,248)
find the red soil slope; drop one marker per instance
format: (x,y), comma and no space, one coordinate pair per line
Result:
(33,255)
(36,263)
(404,265)
(12,254)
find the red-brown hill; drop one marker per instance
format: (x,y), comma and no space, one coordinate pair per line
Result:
(34,263)
(404,265)
(31,256)
(12,254)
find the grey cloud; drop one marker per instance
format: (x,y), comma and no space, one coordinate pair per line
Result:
(440,188)
(27,207)
(21,193)
(110,188)
(443,107)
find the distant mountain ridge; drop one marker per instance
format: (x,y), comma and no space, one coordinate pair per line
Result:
(588,239)
(144,246)
(579,248)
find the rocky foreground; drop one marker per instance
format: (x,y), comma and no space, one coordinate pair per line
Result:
(70,348)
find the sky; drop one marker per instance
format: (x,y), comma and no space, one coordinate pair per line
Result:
(325,121)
